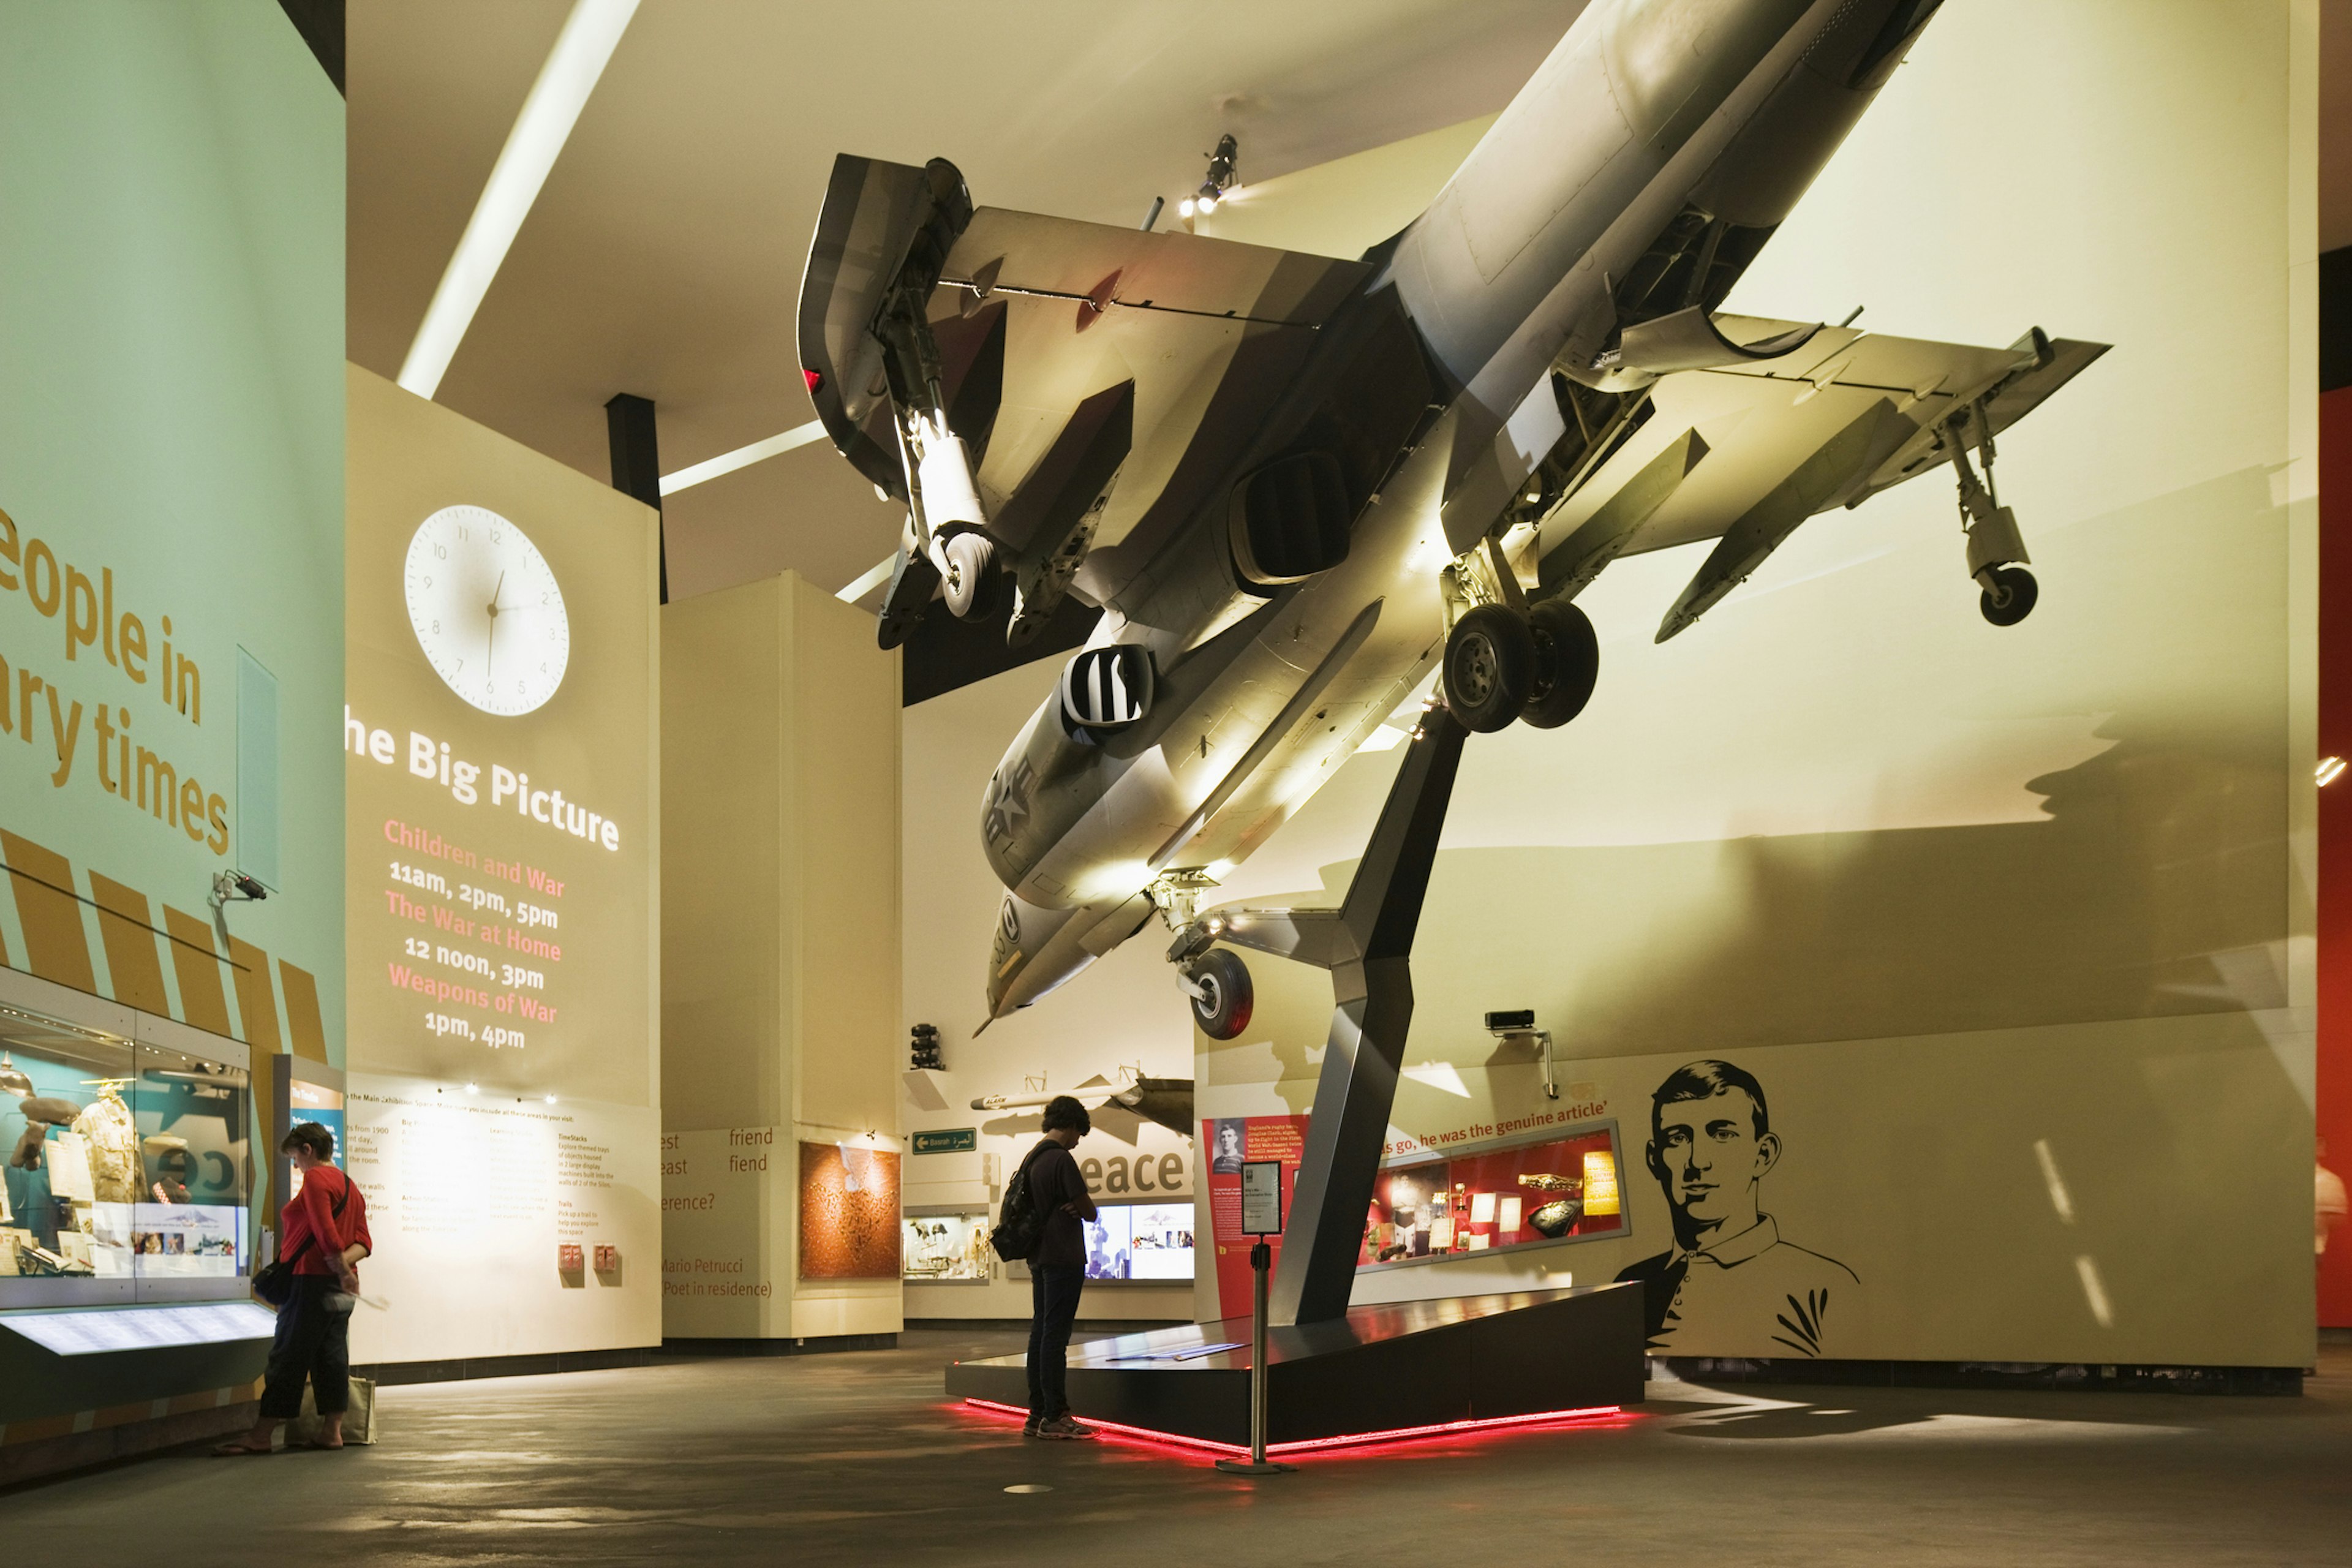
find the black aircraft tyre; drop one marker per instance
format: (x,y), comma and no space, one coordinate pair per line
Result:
(1568,663)
(1223,1011)
(971,578)
(2010,597)
(1490,664)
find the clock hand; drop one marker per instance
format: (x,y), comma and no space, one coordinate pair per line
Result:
(491,659)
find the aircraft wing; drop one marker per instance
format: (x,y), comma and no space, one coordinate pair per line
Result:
(1744,453)
(1071,355)
(1197,336)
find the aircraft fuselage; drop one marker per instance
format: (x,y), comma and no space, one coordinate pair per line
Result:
(1431,385)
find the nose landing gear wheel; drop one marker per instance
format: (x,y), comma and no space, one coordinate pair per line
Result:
(2009,595)
(1490,661)
(971,585)
(1566,663)
(1222,1007)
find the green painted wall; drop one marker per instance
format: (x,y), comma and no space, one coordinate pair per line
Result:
(172,413)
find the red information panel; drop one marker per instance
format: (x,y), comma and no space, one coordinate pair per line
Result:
(1232,1142)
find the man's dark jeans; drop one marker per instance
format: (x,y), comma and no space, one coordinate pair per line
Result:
(1053,1307)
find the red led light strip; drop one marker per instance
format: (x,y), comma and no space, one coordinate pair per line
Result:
(1321,1445)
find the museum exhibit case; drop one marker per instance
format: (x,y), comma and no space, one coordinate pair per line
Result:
(1530,1192)
(128,1176)
(945,1247)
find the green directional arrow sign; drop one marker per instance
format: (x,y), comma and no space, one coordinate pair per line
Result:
(948,1140)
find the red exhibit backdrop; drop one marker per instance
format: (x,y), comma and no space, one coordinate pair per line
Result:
(1525,1195)
(1231,1141)
(2334,1108)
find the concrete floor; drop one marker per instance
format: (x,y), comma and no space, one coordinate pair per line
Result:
(856,1459)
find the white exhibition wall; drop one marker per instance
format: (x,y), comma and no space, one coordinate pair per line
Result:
(2013,927)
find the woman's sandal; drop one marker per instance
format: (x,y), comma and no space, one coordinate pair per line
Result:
(239,1446)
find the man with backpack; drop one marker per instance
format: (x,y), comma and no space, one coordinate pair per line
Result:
(1054,1189)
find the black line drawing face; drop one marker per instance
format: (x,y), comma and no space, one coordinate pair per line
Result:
(1709,1153)
(1730,1284)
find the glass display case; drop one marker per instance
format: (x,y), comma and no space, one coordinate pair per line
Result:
(129,1174)
(945,1247)
(1556,1187)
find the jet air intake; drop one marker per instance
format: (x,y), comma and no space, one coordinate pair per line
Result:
(1105,690)
(1290,520)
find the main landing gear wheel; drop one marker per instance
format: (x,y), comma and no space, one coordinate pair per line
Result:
(1490,667)
(2009,594)
(1224,993)
(971,577)
(1568,663)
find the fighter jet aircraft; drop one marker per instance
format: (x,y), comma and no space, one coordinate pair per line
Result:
(1294,483)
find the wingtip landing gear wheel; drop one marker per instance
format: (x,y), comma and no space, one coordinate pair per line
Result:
(1567,664)
(2009,594)
(1490,660)
(972,577)
(1223,995)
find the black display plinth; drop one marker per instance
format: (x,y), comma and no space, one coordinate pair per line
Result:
(1381,1369)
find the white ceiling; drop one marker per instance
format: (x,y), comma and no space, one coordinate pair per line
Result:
(664,254)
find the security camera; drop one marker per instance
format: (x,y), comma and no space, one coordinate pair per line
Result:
(235,887)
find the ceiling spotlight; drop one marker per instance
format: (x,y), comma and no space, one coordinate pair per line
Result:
(551,1100)
(473,1089)
(1221,177)
(2330,769)
(1184,207)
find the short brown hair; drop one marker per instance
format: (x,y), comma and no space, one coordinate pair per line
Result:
(312,1136)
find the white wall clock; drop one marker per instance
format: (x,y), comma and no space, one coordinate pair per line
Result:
(487,610)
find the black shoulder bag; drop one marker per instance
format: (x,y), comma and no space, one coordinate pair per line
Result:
(273,1282)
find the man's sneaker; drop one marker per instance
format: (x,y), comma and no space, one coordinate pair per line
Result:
(1065,1427)
(1029,1427)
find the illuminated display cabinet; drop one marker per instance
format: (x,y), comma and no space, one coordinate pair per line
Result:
(129,1175)
(1533,1192)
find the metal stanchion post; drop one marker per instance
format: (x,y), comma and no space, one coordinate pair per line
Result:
(1257,1464)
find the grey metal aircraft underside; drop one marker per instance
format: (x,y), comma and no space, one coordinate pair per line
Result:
(1295,483)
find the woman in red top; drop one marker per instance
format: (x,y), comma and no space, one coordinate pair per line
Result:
(323,1234)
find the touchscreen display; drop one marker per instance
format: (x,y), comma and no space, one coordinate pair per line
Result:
(1140,1241)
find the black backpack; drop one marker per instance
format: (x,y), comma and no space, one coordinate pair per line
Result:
(1021,1224)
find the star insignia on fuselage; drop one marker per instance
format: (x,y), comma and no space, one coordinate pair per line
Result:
(1008,803)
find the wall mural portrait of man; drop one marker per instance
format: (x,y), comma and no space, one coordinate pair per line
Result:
(1729,1278)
